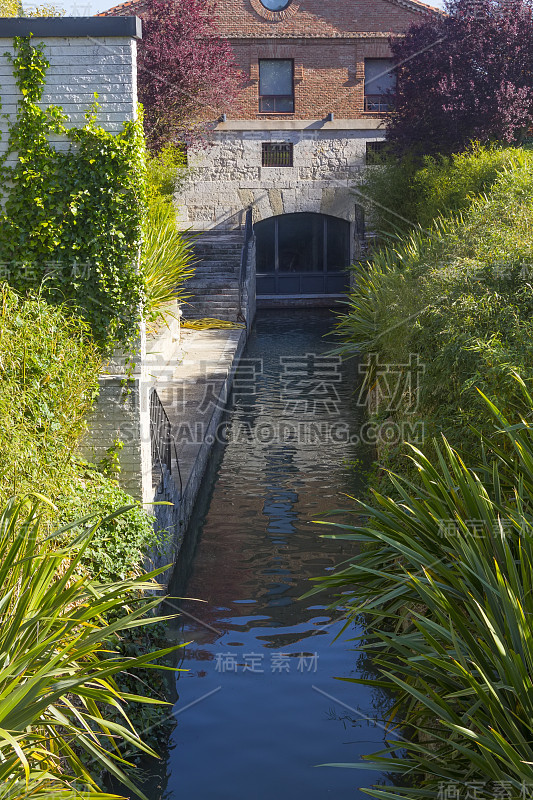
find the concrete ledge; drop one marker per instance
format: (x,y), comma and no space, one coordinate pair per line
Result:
(209,361)
(301,125)
(70,27)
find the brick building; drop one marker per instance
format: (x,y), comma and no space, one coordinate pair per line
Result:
(311,115)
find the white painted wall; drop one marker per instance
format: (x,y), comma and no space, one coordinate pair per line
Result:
(79,67)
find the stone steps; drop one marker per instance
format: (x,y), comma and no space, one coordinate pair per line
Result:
(209,267)
(215,285)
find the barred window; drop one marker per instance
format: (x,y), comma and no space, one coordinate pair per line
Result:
(375,152)
(277,154)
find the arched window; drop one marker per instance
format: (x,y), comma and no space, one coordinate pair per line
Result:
(275,5)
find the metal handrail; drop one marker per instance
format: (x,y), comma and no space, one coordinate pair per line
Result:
(162,439)
(248,233)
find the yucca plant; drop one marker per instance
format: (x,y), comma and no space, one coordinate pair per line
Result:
(444,582)
(58,661)
(167,260)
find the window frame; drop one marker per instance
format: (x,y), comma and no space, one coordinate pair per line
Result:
(268,149)
(381,101)
(276,10)
(374,152)
(274,97)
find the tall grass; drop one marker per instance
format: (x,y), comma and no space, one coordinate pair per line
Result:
(167,260)
(403,195)
(458,296)
(444,581)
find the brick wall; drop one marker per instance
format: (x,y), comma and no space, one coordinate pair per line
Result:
(328,40)
(236,19)
(327,78)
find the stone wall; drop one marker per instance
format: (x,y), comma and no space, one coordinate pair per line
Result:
(227,177)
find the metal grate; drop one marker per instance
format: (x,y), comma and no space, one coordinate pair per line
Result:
(375,152)
(161,431)
(277,155)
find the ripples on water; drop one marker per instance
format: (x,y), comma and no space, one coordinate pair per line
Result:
(260,707)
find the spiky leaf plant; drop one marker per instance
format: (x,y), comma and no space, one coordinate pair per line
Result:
(58,661)
(167,260)
(444,582)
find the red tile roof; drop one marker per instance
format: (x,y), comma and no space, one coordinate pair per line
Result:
(130,5)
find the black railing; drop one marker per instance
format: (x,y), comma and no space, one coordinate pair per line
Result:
(162,439)
(248,233)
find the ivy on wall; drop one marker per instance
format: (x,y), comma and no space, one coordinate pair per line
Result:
(71,220)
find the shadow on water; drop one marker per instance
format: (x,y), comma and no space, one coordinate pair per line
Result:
(259,706)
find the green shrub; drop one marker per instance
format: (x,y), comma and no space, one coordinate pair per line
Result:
(163,171)
(48,382)
(71,221)
(117,548)
(442,578)
(461,299)
(401,195)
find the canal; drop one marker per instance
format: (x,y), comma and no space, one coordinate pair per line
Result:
(260,706)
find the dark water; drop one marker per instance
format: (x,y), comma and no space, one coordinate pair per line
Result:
(260,706)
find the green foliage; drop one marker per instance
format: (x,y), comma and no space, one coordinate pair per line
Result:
(48,382)
(71,220)
(167,254)
(59,662)
(163,171)
(109,465)
(401,195)
(167,260)
(443,578)
(460,297)
(10,8)
(116,550)
(46,10)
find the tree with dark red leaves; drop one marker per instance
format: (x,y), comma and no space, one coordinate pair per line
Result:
(187,74)
(464,76)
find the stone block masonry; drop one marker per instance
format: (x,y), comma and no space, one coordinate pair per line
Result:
(228,177)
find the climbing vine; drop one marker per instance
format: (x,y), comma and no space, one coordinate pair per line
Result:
(71,219)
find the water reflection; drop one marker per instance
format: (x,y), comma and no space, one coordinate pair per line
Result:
(260,705)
